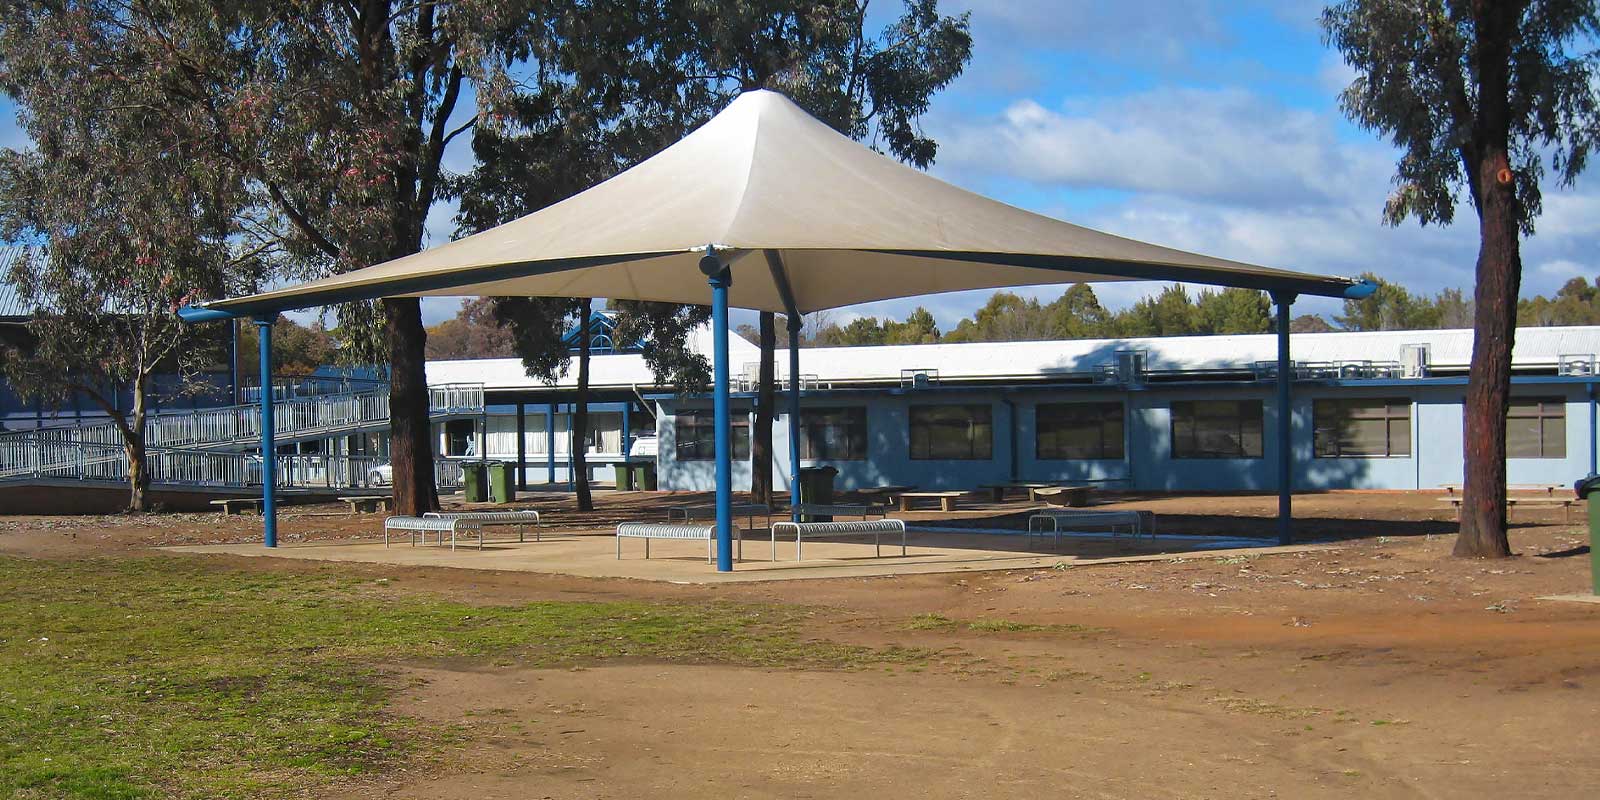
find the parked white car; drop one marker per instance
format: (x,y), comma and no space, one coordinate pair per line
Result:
(380,475)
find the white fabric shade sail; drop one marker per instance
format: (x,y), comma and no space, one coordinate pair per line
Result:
(847,225)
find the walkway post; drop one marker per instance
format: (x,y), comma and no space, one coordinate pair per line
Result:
(794,417)
(721,278)
(269,448)
(1285,422)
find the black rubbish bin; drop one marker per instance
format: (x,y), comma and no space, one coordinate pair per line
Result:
(816,488)
(1583,488)
(475,481)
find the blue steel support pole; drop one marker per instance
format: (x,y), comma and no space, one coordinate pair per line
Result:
(794,417)
(269,449)
(550,444)
(719,404)
(1285,423)
(1594,434)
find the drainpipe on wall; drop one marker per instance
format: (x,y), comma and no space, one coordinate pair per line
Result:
(1594,442)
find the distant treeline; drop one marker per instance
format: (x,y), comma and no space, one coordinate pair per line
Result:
(1078,314)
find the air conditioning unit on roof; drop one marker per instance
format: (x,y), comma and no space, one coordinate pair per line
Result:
(1414,360)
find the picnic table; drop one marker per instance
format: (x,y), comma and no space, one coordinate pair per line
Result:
(1075,496)
(234,505)
(1547,488)
(888,493)
(999,489)
(1511,502)
(374,502)
(947,500)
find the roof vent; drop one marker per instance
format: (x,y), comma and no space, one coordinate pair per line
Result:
(1581,366)
(1414,360)
(1128,368)
(918,378)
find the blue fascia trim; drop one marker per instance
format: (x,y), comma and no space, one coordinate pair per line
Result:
(1321,287)
(193,314)
(244,306)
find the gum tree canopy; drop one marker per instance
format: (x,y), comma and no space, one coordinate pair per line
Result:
(1481,96)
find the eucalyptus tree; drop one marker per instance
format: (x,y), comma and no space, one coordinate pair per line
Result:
(127,219)
(1482,97)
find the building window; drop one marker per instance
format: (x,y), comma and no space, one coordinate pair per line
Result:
(1536,427)
(461,438)
(1078,430)
(695,433)
(952,432)
(835,434)
(1361,428)
(1216,429)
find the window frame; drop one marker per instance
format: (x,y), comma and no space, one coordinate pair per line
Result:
(1111,448)
(974,424)
(855,414)
(1392,409)
(1541,414)
(704,424)
(1243,428)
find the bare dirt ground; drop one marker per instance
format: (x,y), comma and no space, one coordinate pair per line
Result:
(1379,668)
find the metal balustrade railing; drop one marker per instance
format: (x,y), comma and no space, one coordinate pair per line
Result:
(95,450)
(42,459)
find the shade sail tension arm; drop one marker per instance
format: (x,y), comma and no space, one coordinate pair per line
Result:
(1283,300)
(780,278)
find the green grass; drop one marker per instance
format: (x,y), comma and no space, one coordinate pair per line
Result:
(939,622)
(167,678)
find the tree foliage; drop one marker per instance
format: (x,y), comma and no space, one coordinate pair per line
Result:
(1480,96)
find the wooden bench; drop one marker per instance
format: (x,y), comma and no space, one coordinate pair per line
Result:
(837,510)
(1566,503)
(947,500)
(998,490)
(657,530)
(1073,496)
(888,493)
(814,529)
(233,505)
(521,519)
(1547,488)
(368,502)
(421,526)
(1137,522)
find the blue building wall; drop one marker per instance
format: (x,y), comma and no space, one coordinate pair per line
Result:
(1437,440)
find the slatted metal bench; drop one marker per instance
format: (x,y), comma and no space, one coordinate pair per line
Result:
(842,510)
(658,530)
(814,529)
(520,519)
(1051,521)
(422,526)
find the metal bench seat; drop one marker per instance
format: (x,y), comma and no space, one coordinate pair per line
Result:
(841,510)
(659,530)
(1052,520)
(520,518)
(421,526)
(815,529)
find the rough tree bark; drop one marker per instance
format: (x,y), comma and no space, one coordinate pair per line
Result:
(133,443)
(761,444)
(580,412)
(1499,277)
(410,432)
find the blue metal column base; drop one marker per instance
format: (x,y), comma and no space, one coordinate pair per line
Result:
(794,417)
(720,279)
(269,446)
(1285,423)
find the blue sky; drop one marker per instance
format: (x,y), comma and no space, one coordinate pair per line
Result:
(1210,125)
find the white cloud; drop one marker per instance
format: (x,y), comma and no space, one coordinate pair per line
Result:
(1220,144)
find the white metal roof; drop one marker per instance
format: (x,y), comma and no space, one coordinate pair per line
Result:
(1450,350)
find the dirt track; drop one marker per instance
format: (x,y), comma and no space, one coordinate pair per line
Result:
(1381,669)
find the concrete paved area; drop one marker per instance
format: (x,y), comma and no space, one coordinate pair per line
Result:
(595,555)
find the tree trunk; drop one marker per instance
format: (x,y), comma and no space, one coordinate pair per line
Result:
(580,412)
(133,445)
(1499,277)
(761,444)
(410,433)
